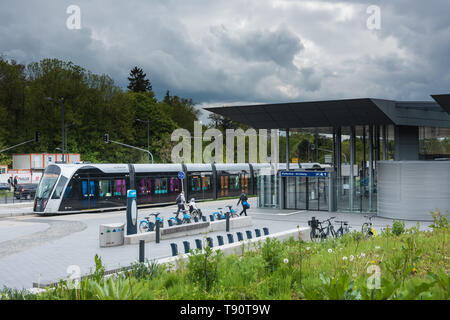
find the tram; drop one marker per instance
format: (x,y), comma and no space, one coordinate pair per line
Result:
(83,187)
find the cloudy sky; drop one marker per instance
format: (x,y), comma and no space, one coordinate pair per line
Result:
(244,51)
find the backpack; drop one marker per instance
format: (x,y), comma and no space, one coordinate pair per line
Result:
(246,204)
(178,199)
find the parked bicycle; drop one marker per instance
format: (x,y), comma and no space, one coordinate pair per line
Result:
(233,213)
(318,231)
(367,228)
(343,229)
(176,220)
(219,215)
(146,225)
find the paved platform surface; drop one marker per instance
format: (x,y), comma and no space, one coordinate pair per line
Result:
(40,249)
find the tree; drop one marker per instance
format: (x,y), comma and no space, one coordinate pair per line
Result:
(138,82)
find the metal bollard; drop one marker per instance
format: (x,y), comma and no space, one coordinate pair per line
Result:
(187,246)
(141,250)
(210,242)
(266,231)
(220,240)
(198,244)
(227,229)
(258,233)
(174,248)
(230,238)
(157,233)
(239,236)
(203,218)
(195,219)
(211,217)
(249,234)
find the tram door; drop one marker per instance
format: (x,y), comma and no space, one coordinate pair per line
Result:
(88,190)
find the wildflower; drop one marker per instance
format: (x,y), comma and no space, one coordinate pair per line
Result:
(308,248)
(377,247)
(344,258)
(285,260)
(352,257)
(330,250)
(340,249)
(363,254)
(372,262)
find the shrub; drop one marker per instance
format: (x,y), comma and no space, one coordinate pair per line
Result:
(398,227)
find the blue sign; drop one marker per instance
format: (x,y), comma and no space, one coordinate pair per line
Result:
(304,174)
(131,194)
(181,175)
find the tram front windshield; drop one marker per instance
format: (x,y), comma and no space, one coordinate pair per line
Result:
(48,182)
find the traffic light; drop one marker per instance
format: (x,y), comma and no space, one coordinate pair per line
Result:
(36,136)
(106,138)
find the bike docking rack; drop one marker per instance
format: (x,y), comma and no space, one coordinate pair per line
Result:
(189,229)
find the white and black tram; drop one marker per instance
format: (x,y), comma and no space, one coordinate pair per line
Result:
(73,188)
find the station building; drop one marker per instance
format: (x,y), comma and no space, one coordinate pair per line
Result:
(397,178)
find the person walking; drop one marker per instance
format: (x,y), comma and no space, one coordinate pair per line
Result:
(15,183)
(180,202)
(243,200)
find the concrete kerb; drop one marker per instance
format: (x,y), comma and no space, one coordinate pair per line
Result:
(185,230)
(237,248)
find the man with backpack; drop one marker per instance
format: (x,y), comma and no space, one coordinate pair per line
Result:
(245,205)
(180,200)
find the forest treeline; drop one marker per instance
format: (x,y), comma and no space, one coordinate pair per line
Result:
(94,105)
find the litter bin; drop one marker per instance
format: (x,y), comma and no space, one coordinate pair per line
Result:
(112,235)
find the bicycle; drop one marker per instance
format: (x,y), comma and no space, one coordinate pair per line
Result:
(146,225)
(176,220)
(367,228)
(219,215)
(318,232)
(233,213)
(194,211)
(343,229)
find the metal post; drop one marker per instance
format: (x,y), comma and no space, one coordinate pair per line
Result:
(157,232)
(385,142)
(352,163)
(63,133)
(228,222)
(141,250)
(287,149)
(370,184)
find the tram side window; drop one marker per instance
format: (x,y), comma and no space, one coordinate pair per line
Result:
(206,183)
(119,188)
(234,182)
(104,189)
(195,183)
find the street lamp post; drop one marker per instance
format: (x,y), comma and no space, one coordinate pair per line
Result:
(61,101)
(148,121)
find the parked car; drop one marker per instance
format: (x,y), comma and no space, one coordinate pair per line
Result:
(4,186)
(25,191)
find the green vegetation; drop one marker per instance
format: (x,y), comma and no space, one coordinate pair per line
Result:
(412,264)
(94,104)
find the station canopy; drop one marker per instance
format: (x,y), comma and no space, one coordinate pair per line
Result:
(340,113)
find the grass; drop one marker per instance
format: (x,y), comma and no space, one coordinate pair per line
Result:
(405,264)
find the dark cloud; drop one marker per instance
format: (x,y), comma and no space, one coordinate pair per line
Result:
(225,51)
